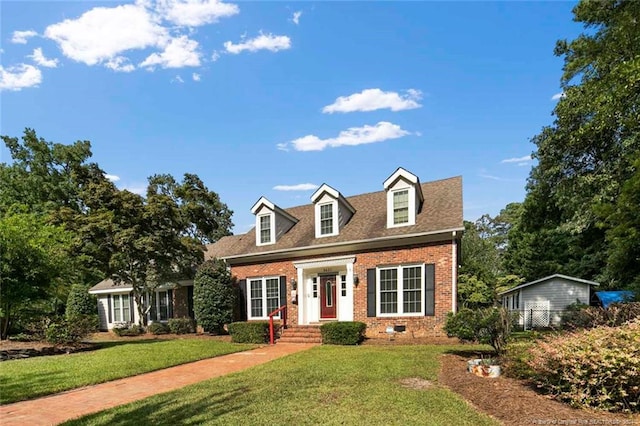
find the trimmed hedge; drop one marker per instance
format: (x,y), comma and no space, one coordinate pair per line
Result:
(343,332)
(127,330)
(158,328)
(182,325)
(598,368)
(249,332)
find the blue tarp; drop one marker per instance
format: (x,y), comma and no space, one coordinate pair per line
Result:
(609,297)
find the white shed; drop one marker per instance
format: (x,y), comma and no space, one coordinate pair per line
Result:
(540,303)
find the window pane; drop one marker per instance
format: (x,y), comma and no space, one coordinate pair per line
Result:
(265,229)
(163,309)
(412,289)
(401,207)
(126,308)
(117,316)
(273,295)
(389,291)
(256,298)
(326,219)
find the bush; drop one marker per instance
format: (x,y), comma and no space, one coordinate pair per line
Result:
(182,325)
(591,316)
(213,296)
(490,326)
(597,368)
(515,360)
(158,328)
(80,302)
(343,332)
(249,332)
(69,331)
(127,330)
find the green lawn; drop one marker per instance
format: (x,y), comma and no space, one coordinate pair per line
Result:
(30,378)
(325,385)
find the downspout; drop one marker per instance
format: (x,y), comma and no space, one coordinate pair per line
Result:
(454,272)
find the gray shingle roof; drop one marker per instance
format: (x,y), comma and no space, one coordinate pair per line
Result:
(441,211)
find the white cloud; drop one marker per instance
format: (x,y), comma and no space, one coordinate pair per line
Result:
(215,56)
(283,146)
(296,17)
(194,13)
(269,42)
(112,178)
(137,189)
(39,58)
(196,76)
(353,136)
(517,159)
(120,64)
(374,99)
(180,52)
(103,33)
(558,96)
(178,79)
(488,176)
(18,77)
(20,37)
(298,187)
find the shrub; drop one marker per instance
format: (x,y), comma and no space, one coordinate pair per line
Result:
(597,368)
(343,332)
(182,325)
(69,331)
(491,326)
(80,302)
(515,360)
(213,296)
(158,328)
(127,330)
(249,332)
(591,316)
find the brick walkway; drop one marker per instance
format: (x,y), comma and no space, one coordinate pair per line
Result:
(54,409)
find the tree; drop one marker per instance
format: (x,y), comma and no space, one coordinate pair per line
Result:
(213,296)
(160,238)
(587,154)
(34,261)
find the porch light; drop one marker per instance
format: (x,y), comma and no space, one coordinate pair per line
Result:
(294,284)
(356,280)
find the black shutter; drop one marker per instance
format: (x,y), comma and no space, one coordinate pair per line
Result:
(152,303)
(190,301)
(371,292)
(109,307)
(429,289)
(170,303)
(242,285)
(283,291)
(131,311)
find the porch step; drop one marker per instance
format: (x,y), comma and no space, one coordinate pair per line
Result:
(301,334)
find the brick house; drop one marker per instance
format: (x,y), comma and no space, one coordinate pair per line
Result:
(387,258)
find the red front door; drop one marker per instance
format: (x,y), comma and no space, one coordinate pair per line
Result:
(327,297)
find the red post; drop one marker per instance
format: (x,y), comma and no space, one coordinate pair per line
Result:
(271,329)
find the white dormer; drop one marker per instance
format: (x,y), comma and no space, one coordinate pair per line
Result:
(332,211)
(404,198)
(271,221)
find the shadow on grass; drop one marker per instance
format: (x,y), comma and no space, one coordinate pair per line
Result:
(14,390)
(472,353)
(163,410)
(115,343)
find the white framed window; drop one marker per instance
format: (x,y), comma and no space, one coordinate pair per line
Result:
(160,305)
(326,219)
(265,228)
(121,308)
(400,290)
(263,297)
(401,207)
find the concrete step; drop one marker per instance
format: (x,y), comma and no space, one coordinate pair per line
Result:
(294,339)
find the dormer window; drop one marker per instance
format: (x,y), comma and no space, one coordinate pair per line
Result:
(326,219)
(265,228)
(271,222)
(401,207)
(404,198)
(332,211)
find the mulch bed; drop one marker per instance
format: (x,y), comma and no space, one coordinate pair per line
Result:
(514,402)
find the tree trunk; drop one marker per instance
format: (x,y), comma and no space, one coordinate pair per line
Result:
(142,318)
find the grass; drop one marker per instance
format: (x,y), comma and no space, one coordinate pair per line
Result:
(30,378)
(325,385)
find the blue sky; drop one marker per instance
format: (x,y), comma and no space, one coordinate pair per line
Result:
(258,98)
